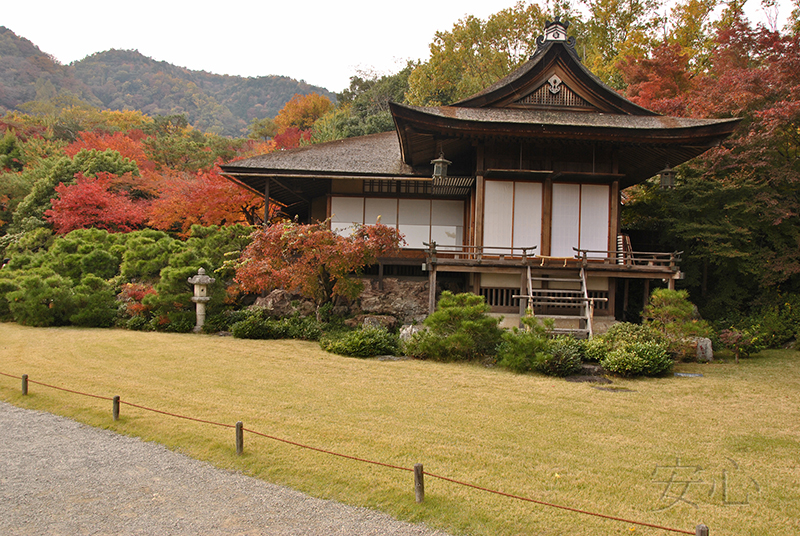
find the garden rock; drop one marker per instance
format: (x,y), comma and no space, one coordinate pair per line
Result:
(704,349)
(408,331)
(406,300)
(280,303)
(372,321)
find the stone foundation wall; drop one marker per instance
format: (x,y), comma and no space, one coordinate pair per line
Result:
(404,299)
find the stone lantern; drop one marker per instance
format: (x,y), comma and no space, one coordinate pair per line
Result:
(200,282)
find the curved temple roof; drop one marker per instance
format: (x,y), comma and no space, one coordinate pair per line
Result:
(552,100)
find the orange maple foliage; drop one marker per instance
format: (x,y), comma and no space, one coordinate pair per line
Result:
(204,198)
(302,111)
(128,144)
(312,259)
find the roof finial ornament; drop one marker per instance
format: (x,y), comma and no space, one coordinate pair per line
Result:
(555,31)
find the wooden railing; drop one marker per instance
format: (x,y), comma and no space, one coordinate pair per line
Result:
(477,253)
(527,255)
(630,258)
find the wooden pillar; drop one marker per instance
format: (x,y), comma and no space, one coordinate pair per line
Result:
(480,194)
(614,224)
(266,202)
(547,216)
(431,288)
(612,297)
(625,298)
(646,292)
(523,291)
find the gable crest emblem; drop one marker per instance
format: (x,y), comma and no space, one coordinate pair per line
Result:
(555,84)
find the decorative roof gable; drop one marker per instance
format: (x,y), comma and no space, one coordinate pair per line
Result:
(554,78)
(554,94)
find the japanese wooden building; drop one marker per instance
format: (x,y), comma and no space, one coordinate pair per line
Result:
(528,213)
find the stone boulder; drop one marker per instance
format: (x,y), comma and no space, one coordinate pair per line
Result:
(403,299)
(703,349)
(408,331)
(372,321)
(280,303)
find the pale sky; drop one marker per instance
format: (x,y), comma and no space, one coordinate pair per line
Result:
(321,42)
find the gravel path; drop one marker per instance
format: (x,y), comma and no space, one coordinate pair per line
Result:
(60,477)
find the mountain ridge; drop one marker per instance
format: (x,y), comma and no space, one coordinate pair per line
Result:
(128,80)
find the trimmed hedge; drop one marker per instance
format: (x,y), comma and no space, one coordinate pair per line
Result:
(364,342)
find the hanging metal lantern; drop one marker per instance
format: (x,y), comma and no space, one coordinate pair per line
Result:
(440,168)
(667,178)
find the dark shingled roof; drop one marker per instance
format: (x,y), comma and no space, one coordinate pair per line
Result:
(376,155)
(561,118)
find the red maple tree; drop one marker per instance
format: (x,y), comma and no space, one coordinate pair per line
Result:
(91,202)
(204,198)
(311,259)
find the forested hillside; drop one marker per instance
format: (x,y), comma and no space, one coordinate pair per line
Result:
(127,80)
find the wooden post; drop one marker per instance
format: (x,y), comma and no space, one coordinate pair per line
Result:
(419,482)
(547,216)
(115,408)
(266,203)
(701,530)
(239,438)
(431,288)
(24,384)
(523,291)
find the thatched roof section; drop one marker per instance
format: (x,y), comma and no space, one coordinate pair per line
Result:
(376,155)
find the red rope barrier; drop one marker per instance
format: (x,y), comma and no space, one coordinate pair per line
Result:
(70,390)
(577,510)
(11,376)
(176,415)
(364,460)
(347,456)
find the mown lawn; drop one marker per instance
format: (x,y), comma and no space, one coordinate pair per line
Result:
(722,449)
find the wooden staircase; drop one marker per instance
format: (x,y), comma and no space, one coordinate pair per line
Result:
(563,306)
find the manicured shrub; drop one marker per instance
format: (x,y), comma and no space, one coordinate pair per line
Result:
(257,326)
(7,286)
(458,330)
(595,349)
(672,314)
(147,252)
(619,336)
(101,263)
(138,323)
(223,320)
(175,322)
(638,359)
(42,300)
(364,342)
(522,349)
(95,303)
(253,327)
(563,358)
(303,328)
